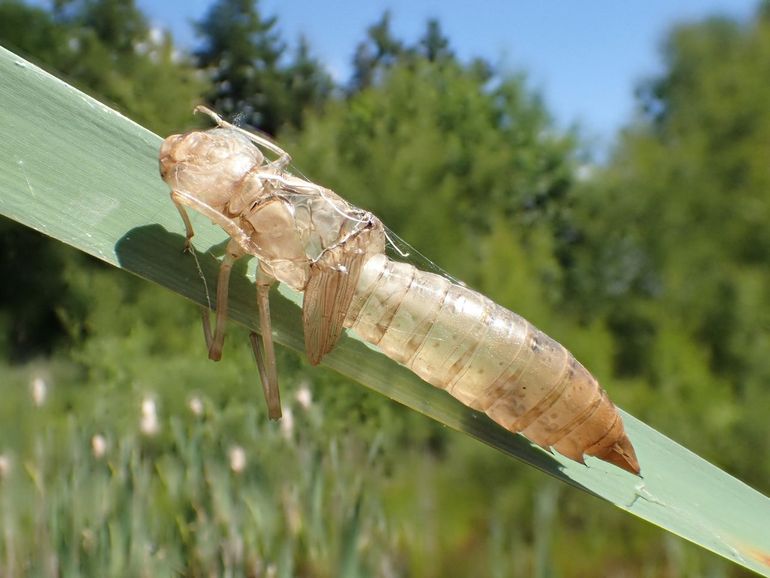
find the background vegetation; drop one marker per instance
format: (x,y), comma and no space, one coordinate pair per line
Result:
(123,451)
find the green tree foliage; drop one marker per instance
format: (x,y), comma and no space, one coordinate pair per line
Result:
(434,44)
(377,52)
(676,240)
(117,24)
(380,50)
(107,48)
(244,57)
(36,308)
(307,85)
(241,52)
(32,31)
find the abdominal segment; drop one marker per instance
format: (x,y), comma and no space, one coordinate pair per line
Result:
(489,358)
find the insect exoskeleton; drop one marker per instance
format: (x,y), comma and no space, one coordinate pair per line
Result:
(310,238)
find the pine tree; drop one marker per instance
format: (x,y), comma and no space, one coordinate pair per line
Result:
(241,52)
(378,52)
(434,45)
(118,24)
(308,85)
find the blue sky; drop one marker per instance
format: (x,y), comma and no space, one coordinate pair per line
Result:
(584,57)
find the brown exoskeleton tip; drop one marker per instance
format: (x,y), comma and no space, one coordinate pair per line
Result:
(622,454)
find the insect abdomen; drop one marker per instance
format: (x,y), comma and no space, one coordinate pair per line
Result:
(489,358)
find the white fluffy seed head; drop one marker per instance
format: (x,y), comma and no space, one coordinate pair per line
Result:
(98,446)
(5,466)
(149,424)
(304,396)
(196,406)
(39,389)
(237,457)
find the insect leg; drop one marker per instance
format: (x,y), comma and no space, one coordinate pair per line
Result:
(187,225)
(231,227)
(264,353)
(188,249)
(215,343)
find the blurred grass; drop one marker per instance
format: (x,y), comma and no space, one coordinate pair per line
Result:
(78,171)
(182,500)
